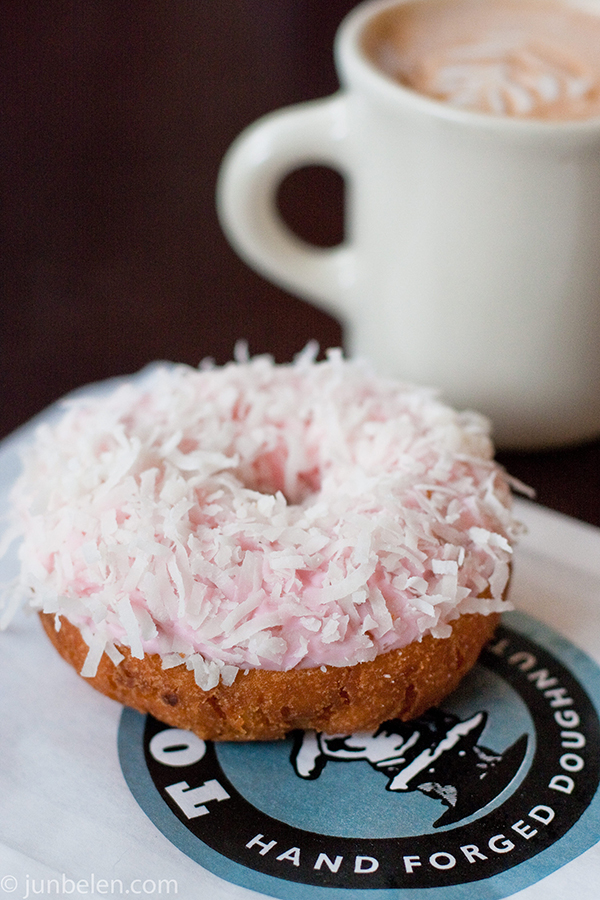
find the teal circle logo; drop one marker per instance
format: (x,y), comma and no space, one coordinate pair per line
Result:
(498,784)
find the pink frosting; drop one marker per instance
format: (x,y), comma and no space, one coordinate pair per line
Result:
(258,515)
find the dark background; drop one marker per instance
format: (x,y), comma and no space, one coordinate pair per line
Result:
(114,118)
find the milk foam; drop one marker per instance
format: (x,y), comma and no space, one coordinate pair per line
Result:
(528,59)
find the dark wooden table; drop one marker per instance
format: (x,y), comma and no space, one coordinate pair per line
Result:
(115,116)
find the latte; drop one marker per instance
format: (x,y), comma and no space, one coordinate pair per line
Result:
(536,59)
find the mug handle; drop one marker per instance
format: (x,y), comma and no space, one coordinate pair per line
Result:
(309,133)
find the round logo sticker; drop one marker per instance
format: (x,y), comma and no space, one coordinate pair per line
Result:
(498,784)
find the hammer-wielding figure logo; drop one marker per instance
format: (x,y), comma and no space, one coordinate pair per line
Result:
(437,754)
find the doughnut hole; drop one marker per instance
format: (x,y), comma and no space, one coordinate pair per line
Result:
(272,472)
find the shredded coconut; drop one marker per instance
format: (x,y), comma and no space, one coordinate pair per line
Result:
(256,515)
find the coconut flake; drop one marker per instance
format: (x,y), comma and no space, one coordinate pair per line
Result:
(97,646)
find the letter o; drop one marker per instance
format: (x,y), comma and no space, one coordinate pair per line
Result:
(571,762)
(436,860)
(174,747)
(151,889)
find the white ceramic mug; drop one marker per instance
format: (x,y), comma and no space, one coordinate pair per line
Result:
(472,261)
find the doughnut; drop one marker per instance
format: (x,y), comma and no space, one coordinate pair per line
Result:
(249,549)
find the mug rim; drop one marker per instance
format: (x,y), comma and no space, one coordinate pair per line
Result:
(355,67)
